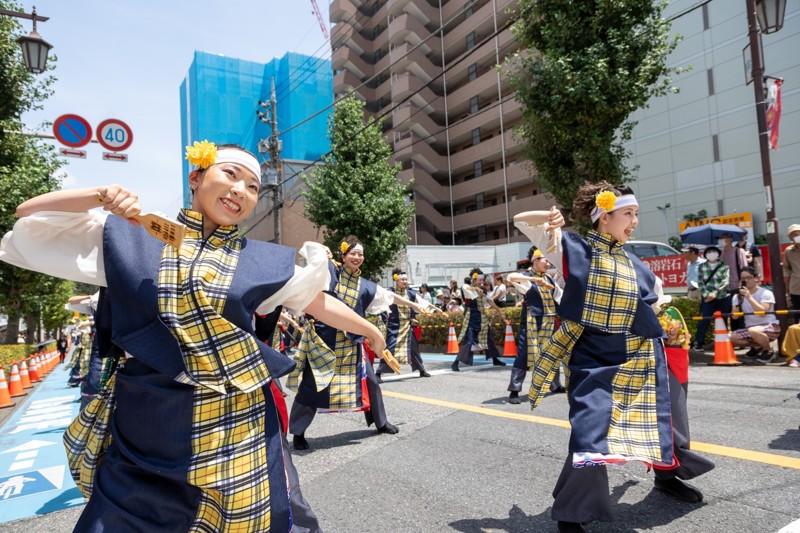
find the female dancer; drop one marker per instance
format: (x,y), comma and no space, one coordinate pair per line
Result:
(475,331)
(618,394)
(332,372)
(196,437)
(400,337)
(537,320)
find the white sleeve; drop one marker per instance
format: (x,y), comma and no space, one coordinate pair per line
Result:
(522,287)
(60,244)
(305,285)
(558,292)
(380,304)
(539,237)
(470,292)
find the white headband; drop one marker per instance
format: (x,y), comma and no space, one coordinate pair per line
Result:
(626,200)
(356,248)
(232,155)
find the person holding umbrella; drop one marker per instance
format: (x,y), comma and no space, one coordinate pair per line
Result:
(713,278)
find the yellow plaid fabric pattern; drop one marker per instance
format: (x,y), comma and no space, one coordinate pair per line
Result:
(404,317)
(611,301)
(483,333)
(612,290)
(193,285)
(313,352)
(633,430)
(229,453)
(346,378)
(537,337)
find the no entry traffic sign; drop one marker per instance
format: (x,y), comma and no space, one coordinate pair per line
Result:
(114,135)
(72,131)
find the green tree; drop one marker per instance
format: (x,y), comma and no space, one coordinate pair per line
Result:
(582,69)
(27,166)
(356,191)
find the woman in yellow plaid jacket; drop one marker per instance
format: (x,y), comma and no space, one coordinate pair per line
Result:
(611,340)
(197,444)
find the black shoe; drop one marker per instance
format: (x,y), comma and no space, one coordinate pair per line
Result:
(678,489)
(752,353)
(378,375)
(454,366)
(424,374)
(497,362)
(558,390)
(513,398)
(570,527)
(390,429)
(299,442)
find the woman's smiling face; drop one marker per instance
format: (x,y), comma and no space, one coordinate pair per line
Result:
(225,193)
(620,223)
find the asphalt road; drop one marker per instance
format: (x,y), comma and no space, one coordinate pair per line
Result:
(465,460)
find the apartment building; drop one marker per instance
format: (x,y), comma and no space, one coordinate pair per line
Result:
(429,68)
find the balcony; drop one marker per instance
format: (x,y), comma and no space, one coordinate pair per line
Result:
(484,87)
(497,214)
(487,118)
(406,58)
(347,58)
(407,84)
(422,11)
(421,153)
(487,150)
(345,81)
(344,10)
(492,182)
(407,28)
(481,22)
(424,185)
(410,117)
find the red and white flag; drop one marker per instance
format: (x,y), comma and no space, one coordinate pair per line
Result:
(774,112)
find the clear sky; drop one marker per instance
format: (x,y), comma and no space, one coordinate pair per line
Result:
(126,60)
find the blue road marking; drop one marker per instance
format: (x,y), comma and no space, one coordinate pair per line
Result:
(34,477)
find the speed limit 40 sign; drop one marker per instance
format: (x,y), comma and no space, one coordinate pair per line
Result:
(114,135)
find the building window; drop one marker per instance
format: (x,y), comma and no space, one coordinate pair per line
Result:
(513,197)
(474,102)
(496,235)
(706,24)
(377,31)
(375,7)
(470,208)
(710,74)
(472,72)
(471,40)
(378,55)
(493,202)
(481,233)
(715,147)
(515,232)
(477,168)
(476,136)
(468,10)
(479,201)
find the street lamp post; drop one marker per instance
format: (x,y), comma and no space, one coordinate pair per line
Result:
(34,48)
(664,210)
(768,14)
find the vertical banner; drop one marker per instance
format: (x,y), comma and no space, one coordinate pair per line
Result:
(773,111)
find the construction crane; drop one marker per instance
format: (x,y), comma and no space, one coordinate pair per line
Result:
(318,14)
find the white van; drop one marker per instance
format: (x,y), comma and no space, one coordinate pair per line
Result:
(642,249)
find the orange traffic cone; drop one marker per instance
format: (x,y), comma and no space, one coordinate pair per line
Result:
(509,345)
(723,349)
(33,370)
(452,342)
(14,384)
(24,377)
(5,397)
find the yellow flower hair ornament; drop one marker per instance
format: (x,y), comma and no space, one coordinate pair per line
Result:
(606,200)
(537,253)
(202,154)
(395,276)
(343,247)
(475,275)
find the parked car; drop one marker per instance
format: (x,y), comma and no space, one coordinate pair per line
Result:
(643,249)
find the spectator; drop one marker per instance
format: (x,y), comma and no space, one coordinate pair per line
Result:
(791,269)
(693,261)
(425,293)
(753,256)
(759,330)
(441,300)
(712,277)
(499,293)
(734,257)
(454,290)
(455,305)
(791,345)
(61,345)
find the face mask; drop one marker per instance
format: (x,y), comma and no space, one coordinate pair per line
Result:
(721,243)
(712,256)
(797,239)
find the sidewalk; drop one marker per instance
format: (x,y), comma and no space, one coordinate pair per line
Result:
(34,478)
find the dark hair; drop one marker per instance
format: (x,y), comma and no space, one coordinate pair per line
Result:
(475,270)
(585,199)
(397,271)
(531,251)
(750,270)
(709,248)
(424,286)
(694,250)
(351,241)
(467,280)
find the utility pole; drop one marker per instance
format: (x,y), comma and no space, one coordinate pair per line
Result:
(273,178)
